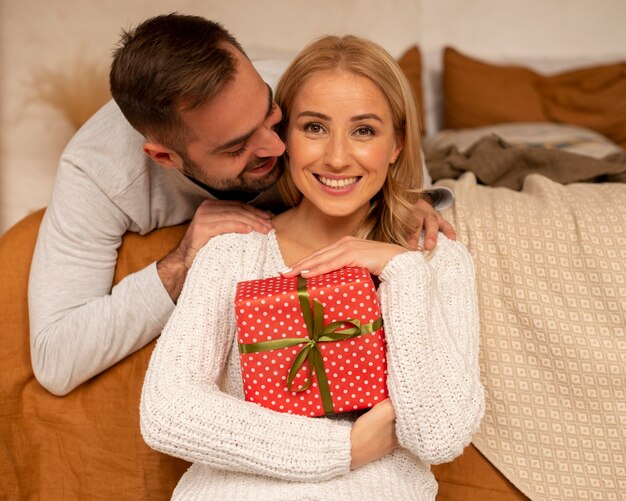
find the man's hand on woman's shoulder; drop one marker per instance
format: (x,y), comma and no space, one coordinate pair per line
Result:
(212,218)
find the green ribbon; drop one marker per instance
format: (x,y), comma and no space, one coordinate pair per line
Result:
(310,352)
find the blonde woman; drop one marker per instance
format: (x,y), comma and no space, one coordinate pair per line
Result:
(352,176)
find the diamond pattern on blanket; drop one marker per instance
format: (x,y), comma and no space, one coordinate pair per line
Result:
(551,277)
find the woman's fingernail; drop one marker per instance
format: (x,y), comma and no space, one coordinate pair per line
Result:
(304,271)
(284,270)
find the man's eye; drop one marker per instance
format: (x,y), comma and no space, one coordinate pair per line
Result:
(313,128)
(239,151)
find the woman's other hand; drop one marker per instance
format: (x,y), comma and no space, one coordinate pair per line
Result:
(373,434)
(348,251)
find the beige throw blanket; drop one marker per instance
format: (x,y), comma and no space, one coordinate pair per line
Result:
(551,274)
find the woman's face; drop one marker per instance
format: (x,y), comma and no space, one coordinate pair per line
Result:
(340,142)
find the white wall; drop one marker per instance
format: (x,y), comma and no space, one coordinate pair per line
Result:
(59,36)
(520,28)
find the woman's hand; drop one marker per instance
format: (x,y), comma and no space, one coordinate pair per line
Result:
(373,434)
(348,251)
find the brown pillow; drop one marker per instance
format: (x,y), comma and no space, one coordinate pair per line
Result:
(411,65)
(592,97)
(477,93)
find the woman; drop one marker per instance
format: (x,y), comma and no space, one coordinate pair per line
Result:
(352,149)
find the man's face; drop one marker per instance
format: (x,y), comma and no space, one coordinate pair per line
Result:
(232,144)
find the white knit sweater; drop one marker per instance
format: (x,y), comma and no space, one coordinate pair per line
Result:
(192,403)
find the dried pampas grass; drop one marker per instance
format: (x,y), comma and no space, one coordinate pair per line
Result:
(77,90)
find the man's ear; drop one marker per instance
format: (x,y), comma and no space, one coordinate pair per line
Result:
(165,157)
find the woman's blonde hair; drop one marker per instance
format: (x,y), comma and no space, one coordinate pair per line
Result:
(391,217)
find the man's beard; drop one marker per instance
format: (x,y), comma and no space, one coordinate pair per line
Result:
(240,183)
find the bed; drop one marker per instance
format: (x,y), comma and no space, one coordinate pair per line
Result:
(550,256)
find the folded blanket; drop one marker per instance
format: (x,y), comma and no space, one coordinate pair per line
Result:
(497,163)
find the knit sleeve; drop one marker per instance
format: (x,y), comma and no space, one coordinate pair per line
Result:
(431,328)
(79,324)
(184,413)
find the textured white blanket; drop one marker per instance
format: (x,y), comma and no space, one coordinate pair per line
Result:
(551,269)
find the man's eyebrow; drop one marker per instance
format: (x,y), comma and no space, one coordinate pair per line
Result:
(270,104)
(243,138)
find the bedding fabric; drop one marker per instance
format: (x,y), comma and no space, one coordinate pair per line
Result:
(564,137)
(498,163)
(551,276)
(87,445)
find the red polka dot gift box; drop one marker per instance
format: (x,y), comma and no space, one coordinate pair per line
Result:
(312,347)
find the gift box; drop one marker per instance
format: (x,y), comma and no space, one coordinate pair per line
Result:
(312,347)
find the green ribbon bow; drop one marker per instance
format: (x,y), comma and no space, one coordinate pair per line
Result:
(310,352)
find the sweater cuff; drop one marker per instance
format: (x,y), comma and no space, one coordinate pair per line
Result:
(399,264)
(339,448)
(157,302)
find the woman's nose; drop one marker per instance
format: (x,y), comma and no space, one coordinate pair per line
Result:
(337,152)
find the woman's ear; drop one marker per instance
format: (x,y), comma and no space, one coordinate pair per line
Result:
(165,157)
(398,148)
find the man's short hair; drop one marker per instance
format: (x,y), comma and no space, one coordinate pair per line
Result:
(168,64)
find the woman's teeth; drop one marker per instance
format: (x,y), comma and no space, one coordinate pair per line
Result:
(337,183)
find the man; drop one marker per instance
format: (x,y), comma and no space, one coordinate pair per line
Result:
(196,141)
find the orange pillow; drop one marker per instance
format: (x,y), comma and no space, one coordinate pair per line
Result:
(593,97)
(477,93)
(411,65)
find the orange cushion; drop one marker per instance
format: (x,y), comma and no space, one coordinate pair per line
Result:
(477,93)
(471,477)
(87,445)
(411,65)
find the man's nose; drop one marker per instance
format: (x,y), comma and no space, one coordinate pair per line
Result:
(270,144)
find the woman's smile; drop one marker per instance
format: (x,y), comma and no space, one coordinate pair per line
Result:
(338,184)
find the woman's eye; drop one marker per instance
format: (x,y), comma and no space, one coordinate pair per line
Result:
(364,131)
(313,128)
